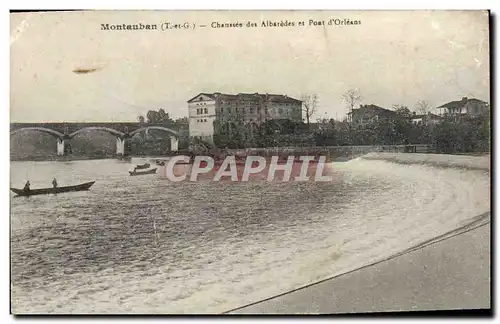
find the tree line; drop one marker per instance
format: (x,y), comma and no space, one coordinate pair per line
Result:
(468,134)
(157,141)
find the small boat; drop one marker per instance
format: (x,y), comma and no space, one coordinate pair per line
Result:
(46,191)
(136,173)
(160,163)
(142,166)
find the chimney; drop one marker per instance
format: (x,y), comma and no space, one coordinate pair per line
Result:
(464,98)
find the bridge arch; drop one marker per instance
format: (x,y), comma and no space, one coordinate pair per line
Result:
(171,131)
(52,132)
(105,129)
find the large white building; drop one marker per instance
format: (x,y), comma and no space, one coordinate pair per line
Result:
(201,112)
(250,109)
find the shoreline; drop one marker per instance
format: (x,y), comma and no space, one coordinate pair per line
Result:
(84,158)
(451,271)
(391,157)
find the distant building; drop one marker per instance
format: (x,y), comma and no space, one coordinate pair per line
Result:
(248,109)
(425,119)
(367,114)
(471,107)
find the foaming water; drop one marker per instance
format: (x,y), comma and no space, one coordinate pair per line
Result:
(146,245)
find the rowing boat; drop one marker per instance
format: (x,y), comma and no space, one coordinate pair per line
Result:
(47,191)
(142,166)
(135,173)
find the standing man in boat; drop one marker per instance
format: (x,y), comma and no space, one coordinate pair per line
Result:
(54,183)
(27,186)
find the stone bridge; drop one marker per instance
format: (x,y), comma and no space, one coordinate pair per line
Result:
(64,132)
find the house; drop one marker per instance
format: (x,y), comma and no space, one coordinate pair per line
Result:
(367,114)
(425,119)
(471,107)
(248,109)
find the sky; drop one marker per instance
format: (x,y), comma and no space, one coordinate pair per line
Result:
(392,57)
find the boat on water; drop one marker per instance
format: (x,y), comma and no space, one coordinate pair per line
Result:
(160,163)
(142,166)
(56,190)
(136,173)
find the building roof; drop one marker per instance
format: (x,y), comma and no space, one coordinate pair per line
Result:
(460,103)
(249,96)
(373,108)
(202,93)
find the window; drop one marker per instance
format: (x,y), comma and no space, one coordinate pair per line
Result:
(280,110)
(221,110)
(206,110)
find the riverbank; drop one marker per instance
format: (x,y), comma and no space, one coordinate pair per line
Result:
(334,153)
(83,158)
(450,272)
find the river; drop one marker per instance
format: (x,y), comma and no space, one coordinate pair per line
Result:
(146,245)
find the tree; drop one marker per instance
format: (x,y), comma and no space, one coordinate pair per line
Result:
(423,107)
(326,135)
(158,117)
(182,120)
(162,116)
(352,97)
(152,117)
(402,111)
(141,119)
(309,105)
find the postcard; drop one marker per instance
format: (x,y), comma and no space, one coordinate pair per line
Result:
(249,162)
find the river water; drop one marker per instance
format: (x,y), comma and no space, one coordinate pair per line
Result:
(146,245)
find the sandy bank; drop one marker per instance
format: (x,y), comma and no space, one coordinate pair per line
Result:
(451,272)
(442,160)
